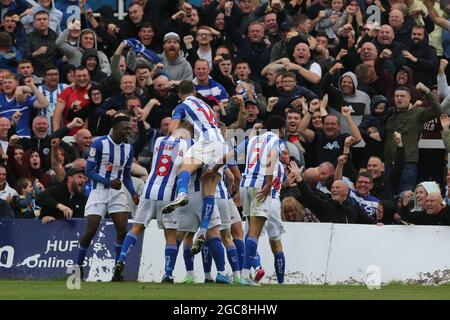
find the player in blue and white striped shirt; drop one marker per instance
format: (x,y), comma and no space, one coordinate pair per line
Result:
(262,154)
(109,170)
(159,189)
(207,150)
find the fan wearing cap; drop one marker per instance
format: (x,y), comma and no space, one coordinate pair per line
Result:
(177,67)
(109,170)
(65,199)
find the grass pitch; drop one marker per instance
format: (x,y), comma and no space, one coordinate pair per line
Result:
(15,289)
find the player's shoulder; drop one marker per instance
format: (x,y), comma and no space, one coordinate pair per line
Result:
(98,143)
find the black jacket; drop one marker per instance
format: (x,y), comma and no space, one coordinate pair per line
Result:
(51,197)
(330,210)
(35,40)
(422,218)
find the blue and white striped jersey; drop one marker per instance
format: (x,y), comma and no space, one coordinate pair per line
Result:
(168,157)
(278,178)
(110,159)
(52,98)
(201,116)
(257,158)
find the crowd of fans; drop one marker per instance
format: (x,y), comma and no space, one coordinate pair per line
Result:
(359,83)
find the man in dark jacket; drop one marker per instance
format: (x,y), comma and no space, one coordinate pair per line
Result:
(335,210)
(436,212)
(90,60)
(40,47)
(64,200)
(41,140)
(421,57)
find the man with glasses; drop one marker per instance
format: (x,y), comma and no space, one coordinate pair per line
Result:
(51,89)
(361,195)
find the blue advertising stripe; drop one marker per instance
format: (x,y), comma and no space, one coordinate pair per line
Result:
(31,250)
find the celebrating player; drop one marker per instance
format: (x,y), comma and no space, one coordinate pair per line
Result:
(109,169)
(159,189)
(207,150)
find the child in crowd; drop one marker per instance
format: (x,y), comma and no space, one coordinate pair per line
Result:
(24,204)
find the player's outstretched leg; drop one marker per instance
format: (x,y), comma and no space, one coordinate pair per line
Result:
(93,221)
(232,254)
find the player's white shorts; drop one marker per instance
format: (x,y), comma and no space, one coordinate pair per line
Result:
(189,216)
(274,224)
(102,201)
(207,153)
(224,212)
(234,212)
(252,207)
(151,209)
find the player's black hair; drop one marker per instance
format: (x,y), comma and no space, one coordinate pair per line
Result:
(186,87)
(119,118)
(275,123)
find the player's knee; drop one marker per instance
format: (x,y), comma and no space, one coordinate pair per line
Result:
(276,246)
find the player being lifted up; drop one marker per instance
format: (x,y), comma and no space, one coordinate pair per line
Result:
(159,189)
(208,149)
(262,155)
(109,170)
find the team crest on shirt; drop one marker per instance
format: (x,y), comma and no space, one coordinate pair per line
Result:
(92,152)
(46,151)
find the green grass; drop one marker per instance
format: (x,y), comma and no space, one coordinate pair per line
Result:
(15,289)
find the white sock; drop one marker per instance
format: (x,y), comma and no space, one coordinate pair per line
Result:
(190,273)
(222,273)
(246,273)
(208,276)
(236,275)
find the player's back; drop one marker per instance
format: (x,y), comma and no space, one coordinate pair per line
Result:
(278,178)
(168,157)
(110,159)
(201,116)
(257,159)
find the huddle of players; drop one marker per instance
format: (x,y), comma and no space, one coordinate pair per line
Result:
(186,191)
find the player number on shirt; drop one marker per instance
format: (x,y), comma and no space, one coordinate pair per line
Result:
(163,166)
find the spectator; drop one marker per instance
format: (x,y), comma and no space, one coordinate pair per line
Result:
(40,48)
(408,120)
(205,85)
(91,61)
(175,64)
(55,16)
(435,212)
(41,137)
(72,100)
(6,192)
(23,110)
(51,88)
(87,40)
(15,30)
(334,210)
(9,55)
(64,200)
(23,204)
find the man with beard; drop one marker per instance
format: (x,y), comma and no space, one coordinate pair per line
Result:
(175,64)
(64,200)
(421,57)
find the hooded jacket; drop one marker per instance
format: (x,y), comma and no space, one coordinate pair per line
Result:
(96,74)
(415,94)
(180,69)
(74,54)
(54,14)
(360,101)
(373,119)
(430,187)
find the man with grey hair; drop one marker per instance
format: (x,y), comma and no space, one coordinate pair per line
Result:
(436,212)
